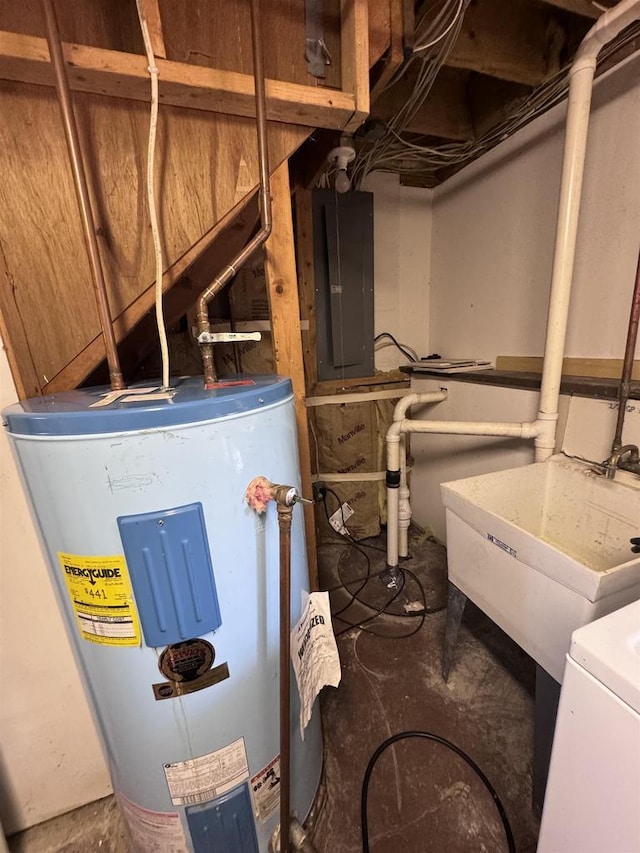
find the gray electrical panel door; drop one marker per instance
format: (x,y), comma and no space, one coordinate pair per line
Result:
(343,271)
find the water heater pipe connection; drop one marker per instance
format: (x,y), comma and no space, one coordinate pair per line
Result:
(260,492)
(264,198)
(543,429)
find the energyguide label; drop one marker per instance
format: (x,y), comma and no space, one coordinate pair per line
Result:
(101,596)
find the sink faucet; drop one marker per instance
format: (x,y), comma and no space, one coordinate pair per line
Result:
(627,458)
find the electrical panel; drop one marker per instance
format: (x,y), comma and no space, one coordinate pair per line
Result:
(343,272)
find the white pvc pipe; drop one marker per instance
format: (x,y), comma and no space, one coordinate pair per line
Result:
(404,494)
(400,427)
(580,87)
(543,430)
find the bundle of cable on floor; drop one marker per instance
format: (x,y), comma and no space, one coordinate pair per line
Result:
(433,737)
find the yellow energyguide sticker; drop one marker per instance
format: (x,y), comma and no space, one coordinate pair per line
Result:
(102,598)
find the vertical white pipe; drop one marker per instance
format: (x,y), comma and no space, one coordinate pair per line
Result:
(575,145)
(393,495)
(398,498)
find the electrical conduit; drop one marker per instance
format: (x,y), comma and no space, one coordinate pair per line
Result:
(543,429)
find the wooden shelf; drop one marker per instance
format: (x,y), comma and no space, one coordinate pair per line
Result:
(580,386)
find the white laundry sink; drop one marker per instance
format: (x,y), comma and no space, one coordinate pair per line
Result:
(544,549)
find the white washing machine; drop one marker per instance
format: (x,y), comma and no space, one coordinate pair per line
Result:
(592,803)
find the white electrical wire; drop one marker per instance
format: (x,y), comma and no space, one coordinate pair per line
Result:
(151,198)
(394,153)
(419,48)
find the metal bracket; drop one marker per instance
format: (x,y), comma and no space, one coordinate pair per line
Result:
(317,56)
(316,51)
(228,337)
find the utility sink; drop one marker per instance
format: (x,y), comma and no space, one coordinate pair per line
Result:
(544,549)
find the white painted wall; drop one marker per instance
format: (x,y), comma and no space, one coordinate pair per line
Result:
(50,757)
(493,238)
(402,258)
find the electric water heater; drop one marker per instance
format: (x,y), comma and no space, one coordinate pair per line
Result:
(168,583)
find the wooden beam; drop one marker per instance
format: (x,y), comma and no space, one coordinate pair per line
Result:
(306,283)
(515,40)
(182,296)
(354,41)
(151,14)
(579,7)
(79,368)
(492,100)
(284,307)
(14,337)
(124,75)
(600,368)
(395,55)
(379,29)
(445,112)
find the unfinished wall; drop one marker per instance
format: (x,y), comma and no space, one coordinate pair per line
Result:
(402,256)
(51,760)
(493,237)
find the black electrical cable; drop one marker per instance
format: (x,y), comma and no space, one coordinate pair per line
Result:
(379,611)
(402,349)
(429,736)
(354,596)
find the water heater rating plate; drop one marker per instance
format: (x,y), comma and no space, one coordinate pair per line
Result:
(198,780)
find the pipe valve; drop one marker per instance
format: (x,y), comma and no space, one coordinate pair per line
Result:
(260,491)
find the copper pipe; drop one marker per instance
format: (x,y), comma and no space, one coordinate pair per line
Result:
(82,193)
(264,198)
(284,523)
(627,365)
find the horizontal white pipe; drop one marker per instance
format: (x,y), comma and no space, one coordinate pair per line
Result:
(515,430)
(401,427)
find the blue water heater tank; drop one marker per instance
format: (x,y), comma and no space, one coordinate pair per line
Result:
(168,583)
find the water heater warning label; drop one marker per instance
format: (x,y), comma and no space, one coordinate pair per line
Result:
(153,832)
(101,596)
(265,790)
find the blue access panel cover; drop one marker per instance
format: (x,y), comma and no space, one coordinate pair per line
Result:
(171,572)
(225,825)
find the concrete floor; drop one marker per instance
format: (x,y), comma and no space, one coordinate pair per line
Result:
(422,796)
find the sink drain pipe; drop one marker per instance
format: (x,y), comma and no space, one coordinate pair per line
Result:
(543,429)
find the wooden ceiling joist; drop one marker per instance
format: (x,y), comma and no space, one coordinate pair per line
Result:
(98,71)
(445,112)
(513,40)
(151,13)
(579,7)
